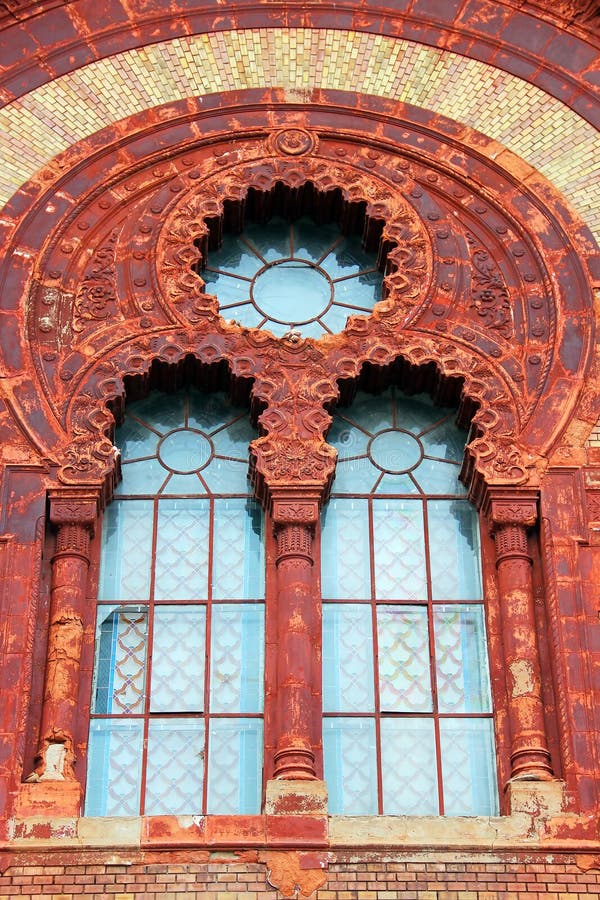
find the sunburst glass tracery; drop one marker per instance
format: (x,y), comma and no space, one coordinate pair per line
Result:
(293,276)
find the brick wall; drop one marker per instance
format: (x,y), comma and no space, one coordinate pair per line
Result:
(533,877)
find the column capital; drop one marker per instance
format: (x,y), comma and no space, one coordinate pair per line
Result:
(73,507)
(290,507)
(510,506)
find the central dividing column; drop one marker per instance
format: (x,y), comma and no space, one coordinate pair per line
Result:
(294,523)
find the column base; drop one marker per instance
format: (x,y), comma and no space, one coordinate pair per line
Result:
(286,797)
(60,799)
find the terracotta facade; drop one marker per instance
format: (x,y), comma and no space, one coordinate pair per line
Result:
(490,295)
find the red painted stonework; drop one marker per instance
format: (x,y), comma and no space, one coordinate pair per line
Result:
(488,305)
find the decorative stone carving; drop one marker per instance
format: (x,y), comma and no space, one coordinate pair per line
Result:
(96,296)
(489,294)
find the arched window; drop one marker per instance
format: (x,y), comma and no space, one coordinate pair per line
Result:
(176,717)
(407,723)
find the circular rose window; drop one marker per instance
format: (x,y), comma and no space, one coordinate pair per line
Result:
(296,276)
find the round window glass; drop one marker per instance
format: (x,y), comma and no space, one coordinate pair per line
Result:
(295,276)
(185,451)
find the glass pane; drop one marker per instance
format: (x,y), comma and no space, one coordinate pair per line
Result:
(336,317)
(357,476)
(227,476)
(235,256)
(237,658)
(469,767)
(463,682)
(126,550)
(235,766)
(120,667)
(238,551)
(272,239)
(397,484)
(175,767)
(347,658)
(350,768)
(144,477)
(310,241)
(372,412)
(399,550)
(162,411)
(178,649)
(408,767)
(347,439)
(456,561)
(417,413)
(136,440)
(206,412)
(114,767)
(362,292)
(404,675)
(445,441)
(347,258)
(345,570)
(439,477)
(182,550)
(227,288)
(234,440)
(184,484)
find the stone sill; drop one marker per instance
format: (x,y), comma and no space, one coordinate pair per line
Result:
(537,821)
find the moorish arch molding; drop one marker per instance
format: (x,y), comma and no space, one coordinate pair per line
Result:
(484,288)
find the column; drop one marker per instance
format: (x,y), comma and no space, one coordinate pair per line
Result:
(74,517)
(511,515)
(294,523)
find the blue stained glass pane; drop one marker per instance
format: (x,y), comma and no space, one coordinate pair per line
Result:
(162,411)
(237,658)
(397,484)
(347,658)
(238,551)
(416,413)
(310,241)
(178,650)
(235,766)
(408,767)
(347,439)
(182,542)
(313,330)
(272,240)
(371,412)
(126,550)
(136,440)
(463,680)
(445,441)
(335,318)
(468,767)
(347,258)
(119,682)
(174,789)
(236,257)
(349,761)
(114,767)
(436,477)
(455,551)
(246,315)
(184,484)
(234,440)
(226,476)
(399,549)
(227,288)
(361,292)
(345,569)
(357,476)
(207,412)
(143,477)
